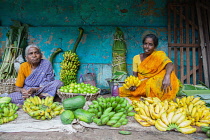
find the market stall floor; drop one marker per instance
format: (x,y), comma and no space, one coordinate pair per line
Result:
(99,134)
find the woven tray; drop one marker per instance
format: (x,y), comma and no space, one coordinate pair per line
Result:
(7,85)
(88,96)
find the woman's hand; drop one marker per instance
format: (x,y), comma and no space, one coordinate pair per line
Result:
(28,93)
(25,93)
(31,91)
(132,88)
(166,85)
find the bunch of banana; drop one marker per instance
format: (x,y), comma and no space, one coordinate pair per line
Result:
(131,81)
(42,108)
(151,108)
(111,111)
(69,67)
(195,110)
(7,112)
(189,100)
(173,120)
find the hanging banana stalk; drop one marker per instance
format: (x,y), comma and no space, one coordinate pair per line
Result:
(119,53)
(70,64)
(58,50)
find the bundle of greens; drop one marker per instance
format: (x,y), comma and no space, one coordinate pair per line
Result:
(15,45)
(119,52)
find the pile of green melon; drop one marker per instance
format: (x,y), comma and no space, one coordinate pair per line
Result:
(73,110)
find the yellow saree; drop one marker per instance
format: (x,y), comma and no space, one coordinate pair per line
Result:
(152,71)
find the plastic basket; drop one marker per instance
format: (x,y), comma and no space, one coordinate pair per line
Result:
(7,85)
(88,96)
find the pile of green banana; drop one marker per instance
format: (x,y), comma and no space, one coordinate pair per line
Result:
(206,129)
(42,108)
(69,67)
(111,111)
(7,112)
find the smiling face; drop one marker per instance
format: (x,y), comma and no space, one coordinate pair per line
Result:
(33,56)
(148,46)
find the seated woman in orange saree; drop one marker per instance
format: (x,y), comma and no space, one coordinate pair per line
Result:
(156,73)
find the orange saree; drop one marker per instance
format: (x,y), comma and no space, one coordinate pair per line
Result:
(152,71)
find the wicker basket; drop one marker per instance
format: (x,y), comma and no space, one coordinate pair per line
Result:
(88,96)
(7,85)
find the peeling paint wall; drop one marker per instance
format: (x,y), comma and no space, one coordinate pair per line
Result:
(55,24)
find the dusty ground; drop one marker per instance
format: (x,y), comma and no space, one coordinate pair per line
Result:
(99,134)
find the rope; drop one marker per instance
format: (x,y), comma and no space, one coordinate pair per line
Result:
(118,58)
(120,39)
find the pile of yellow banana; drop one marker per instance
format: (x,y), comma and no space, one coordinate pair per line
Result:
(131,81)
(195,110)
(168,115)
(42,108)
(69,68)
(150,109)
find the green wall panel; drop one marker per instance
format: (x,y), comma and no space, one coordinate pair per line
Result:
(84,12)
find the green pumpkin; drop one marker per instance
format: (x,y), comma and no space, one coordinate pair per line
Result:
(67,117)
(74,103)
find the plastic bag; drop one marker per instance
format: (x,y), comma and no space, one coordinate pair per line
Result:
(18,61)
(89,77)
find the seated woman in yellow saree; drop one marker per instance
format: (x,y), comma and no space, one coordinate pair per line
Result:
(155,70)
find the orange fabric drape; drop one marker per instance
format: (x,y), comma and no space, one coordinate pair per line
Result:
(152,71)
(24,71)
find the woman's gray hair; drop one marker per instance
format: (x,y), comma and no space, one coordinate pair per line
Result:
(30,46)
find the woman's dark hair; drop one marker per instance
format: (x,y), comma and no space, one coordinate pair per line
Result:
(154,38)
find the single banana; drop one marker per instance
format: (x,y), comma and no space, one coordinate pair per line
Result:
(200,102)
(157,109)
(178,101)
(205,121)
(190,107)
(141,121)
(171,108)
(199,124)
(185,123)
(161,123)
(159,127)
(147,111)
(176,117)
(181,119)
(151,110)
(194,111)
(165,104)
(125,86)
(170,116)
(39,100)
(148,119)
(149,100)
(195,100)
(46,100)
(142,111)
(179,110)
(187,130)
(164,118)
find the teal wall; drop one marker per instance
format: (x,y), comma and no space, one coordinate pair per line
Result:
(55,23)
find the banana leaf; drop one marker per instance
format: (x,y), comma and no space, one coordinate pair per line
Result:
(119,76)
(196,90)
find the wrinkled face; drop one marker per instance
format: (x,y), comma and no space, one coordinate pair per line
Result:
(148,46)
(33,56)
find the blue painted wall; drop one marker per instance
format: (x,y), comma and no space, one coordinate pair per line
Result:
(56,22)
